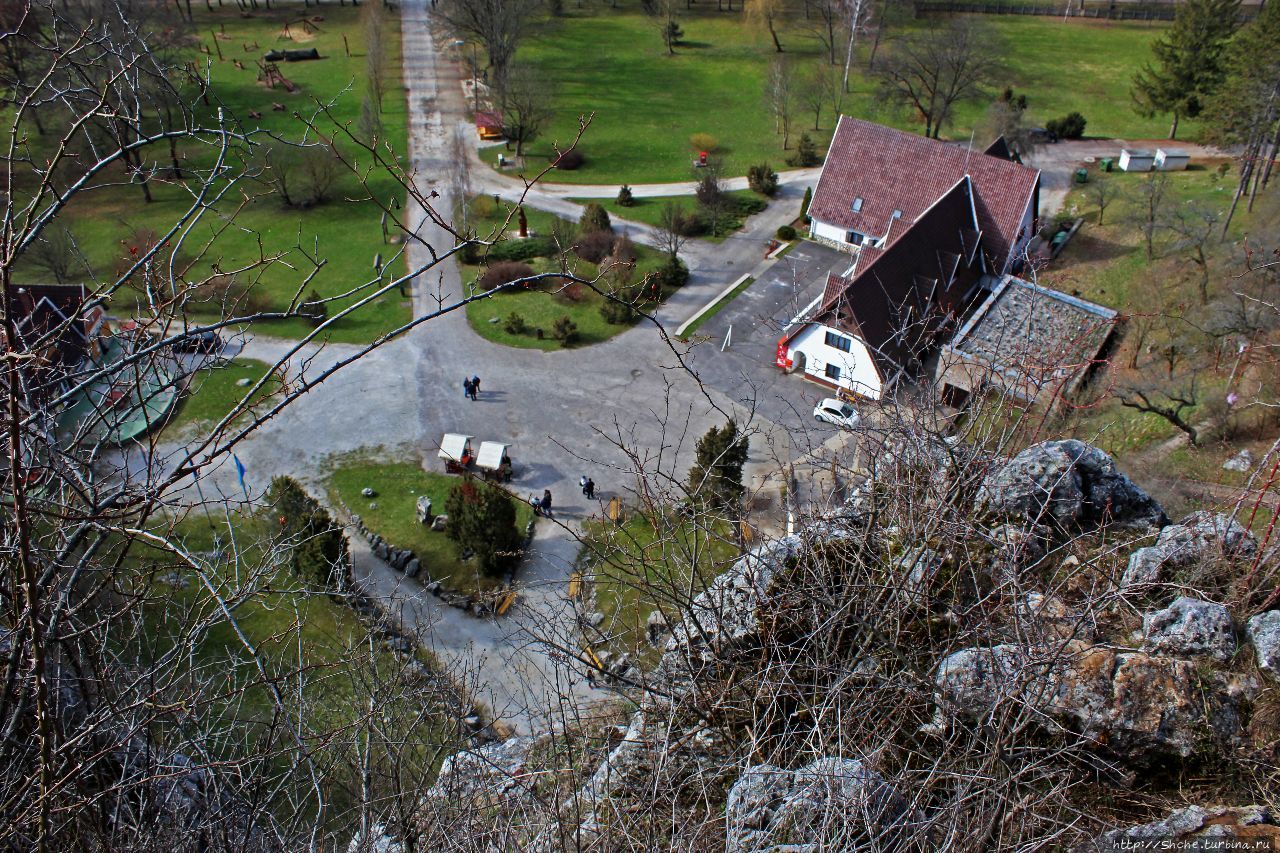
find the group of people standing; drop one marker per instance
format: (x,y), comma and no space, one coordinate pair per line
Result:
(588,487)
(471,388)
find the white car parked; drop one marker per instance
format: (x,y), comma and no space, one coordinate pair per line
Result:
(837,412)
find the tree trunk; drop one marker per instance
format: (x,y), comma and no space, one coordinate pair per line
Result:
(774,33)
(1173,129)
(173,157)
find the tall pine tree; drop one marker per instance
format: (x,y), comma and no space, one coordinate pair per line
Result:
(1189,61)
(716,476)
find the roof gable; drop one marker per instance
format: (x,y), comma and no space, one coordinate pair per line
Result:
(898,300)
(892,170)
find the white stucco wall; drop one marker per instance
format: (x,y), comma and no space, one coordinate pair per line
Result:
(858,373)
(822,230)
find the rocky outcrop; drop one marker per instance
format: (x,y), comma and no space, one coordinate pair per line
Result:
(1264,633)
(1067,483)
(488,776)
(1199,537)
(1135,705)
(830,804)
(1184,827)
(1190,626)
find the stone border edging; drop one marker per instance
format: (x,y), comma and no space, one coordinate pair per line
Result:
(406,562)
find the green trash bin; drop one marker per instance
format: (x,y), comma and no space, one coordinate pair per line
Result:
(1082,176)
(1107,163)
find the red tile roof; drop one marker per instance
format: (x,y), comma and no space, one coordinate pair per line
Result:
(893,170)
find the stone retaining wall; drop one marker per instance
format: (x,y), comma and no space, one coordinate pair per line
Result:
(408,563)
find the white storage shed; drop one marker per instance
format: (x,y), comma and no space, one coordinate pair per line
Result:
(1136,160)
(1171,159)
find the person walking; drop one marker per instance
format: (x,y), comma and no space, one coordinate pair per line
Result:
(475,387)
(589,489)
(466,387)
(582,484)
(546,502)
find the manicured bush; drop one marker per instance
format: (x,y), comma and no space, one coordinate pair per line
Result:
(622,309)
(523,249)
(746,206)
(704,142)
(806,153)
(762,179)
(786,232)
(673,274)
(317,548)
(569,160)
(594,218)
(314,309)
(503,272)
(565,330)
(594,246)
(1070,126)
(515,324)
(625,199)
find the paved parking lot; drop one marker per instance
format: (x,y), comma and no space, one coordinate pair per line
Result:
(753,322)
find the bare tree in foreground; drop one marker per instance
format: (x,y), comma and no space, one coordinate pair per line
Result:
(136,710)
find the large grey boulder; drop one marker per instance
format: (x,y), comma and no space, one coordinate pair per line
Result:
(1198,537)
(830,804)
(1139,706)
(1190,626)
(1264,633)
(1193,828)
(1067,482)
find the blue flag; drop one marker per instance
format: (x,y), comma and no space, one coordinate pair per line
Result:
(240,472)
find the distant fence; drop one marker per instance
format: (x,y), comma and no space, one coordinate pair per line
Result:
(1118,11)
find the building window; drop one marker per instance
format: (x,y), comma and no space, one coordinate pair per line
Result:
(833,372)
(857,204)
(854,238)
(839,342)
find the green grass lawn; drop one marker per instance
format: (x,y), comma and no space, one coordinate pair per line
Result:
(314,647)
(648,211)
(214,392)
(345,232)
(398,486)
(540,308)
(646,104)
(646,564)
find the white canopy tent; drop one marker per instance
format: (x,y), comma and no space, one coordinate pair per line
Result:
(490,455)
(454,446)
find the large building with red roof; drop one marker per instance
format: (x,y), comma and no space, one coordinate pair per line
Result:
(928,225)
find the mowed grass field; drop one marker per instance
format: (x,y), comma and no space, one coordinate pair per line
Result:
(644,105)
(251,225)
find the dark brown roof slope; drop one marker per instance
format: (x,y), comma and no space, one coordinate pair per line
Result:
(892,170)
(899,301)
